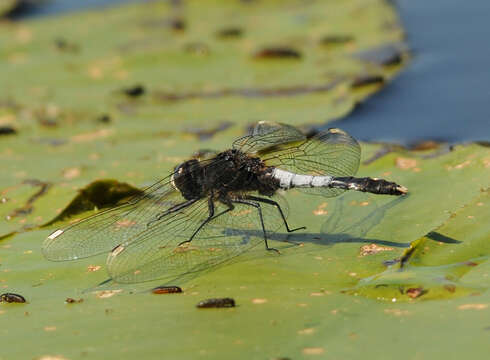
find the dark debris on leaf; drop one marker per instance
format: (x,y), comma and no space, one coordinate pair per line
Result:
(7,130)
(64,45)
(104,119)
(337,39)
(277,53)
(216,303)
(451,288)
(366,79)
(73,301)
(166,290)
(135,91)
(178,24)
(229,32)
(12,298)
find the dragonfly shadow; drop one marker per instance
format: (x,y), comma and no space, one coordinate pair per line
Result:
(338,229)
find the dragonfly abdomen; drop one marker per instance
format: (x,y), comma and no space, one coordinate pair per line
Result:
(288,180)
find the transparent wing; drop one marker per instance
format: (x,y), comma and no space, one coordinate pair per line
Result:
(266,135)
(155,253)
(103,231)
(332,152)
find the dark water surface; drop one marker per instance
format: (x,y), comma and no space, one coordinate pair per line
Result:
(54,7)
(443,94)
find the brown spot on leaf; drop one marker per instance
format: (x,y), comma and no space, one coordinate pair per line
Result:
(320,210)
(95,72)
(405,163)
(278,53)
(396,312)
(23,35)
(450,288)
(425,145)
(93,268)
(313,351)
(373,249)
(472,306)
(73,301)
(259,301)
(306,331)
(85,137)
(71,173)
(460,165)
(104,294)
(414,293)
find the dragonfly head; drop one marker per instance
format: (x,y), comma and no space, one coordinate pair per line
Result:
(187,179)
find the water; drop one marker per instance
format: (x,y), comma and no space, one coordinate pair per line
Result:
(54,7)
(444,92)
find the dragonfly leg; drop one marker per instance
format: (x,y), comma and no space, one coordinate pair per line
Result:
(272,202)
(259,209)
(171,210)
(210,217)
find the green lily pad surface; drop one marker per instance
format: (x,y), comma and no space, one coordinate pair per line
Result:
(98,105)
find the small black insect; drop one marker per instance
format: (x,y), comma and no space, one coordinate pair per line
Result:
(216,303)
(181,224)
(12,298)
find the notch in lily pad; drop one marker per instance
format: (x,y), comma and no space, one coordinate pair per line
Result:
(97,195)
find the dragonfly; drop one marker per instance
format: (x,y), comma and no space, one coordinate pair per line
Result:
(179,224)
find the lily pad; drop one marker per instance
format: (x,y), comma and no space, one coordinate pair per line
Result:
(191,79)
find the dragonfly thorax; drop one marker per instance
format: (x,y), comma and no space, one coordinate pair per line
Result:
(230,171)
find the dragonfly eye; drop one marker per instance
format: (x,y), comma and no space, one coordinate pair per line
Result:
(185,178)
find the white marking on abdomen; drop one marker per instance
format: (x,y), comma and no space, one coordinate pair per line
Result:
(289,180)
